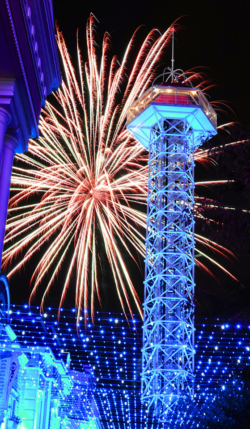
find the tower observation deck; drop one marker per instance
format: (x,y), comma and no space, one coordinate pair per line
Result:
(170,120)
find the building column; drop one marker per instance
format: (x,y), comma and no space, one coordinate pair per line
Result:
(10,144)
(5,119)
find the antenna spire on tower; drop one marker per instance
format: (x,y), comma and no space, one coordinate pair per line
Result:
(172,60)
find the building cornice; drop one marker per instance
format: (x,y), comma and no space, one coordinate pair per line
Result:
(10,100)
(28,56)
(22,67)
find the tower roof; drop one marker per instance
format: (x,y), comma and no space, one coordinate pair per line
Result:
(172,101)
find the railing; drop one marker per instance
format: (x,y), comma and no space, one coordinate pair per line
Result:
(172,95)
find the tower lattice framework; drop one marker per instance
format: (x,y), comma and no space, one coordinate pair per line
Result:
(170,120)
(168,331)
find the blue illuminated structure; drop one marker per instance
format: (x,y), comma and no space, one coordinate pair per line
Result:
(38,387)
(29,72)
(89,377)
(170,120)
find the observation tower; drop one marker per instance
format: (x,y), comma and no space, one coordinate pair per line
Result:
(170,120)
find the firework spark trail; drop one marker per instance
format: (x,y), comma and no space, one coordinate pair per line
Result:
(89,173)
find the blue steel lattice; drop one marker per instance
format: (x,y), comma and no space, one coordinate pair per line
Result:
(168,332)
(170,121)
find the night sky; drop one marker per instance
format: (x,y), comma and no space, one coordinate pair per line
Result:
(213,34)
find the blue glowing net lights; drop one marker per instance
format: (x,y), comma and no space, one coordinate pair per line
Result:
(108,357)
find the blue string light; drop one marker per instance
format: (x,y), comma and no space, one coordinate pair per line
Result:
(108,357)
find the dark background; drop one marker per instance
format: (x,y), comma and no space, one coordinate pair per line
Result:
(213,34)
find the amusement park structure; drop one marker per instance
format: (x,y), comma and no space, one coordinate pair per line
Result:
(59,374)
(170,120)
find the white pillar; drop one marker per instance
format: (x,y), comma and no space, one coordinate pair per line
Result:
(10,144)
(5,119)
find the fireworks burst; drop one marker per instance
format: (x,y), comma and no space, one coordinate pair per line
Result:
(89,174)
(88,171)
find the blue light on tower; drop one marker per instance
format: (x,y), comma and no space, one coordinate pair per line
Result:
(170,120)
